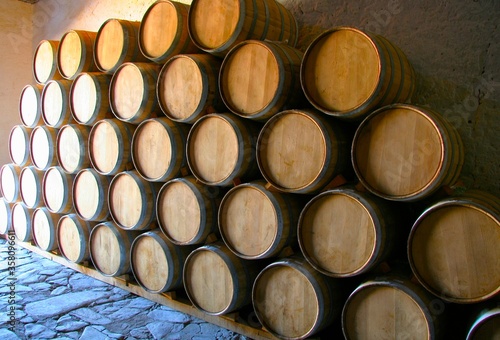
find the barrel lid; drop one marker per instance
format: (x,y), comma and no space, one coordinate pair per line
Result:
(127,91)
(453,251)
(43,225)
(42,147)
(70,237)
(21,221)
(212,23)
(55,189)
(126,199)
(29,105)
(5,216)
(71,147)
(9,182)
(84,98)
(250,77)
(55,102)
(105,146)
(30,186)
(69,54)
(45,61)
(19,144)
(341,69)
(159,28)
(88,193)
(180,87)
(105,248)
(288,162)
(109,45)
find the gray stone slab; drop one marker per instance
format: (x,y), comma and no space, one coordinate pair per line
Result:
(38,331)
(141,303)
(90,316)
(169,316)
(81,282)
(5,334)
(67,324)
(59,290)
(61,304)
(92,333)
(160,330)
(124,313)
(39,286)
(208,328)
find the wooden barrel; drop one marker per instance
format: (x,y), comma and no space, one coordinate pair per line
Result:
(215,26)
(132,201)
(405,153)
(164,32)
(453,248)
(186,210)
(391,308)
(221,149)
(57,190)
(305,164)
(30,111)
(157,263)
(72,147)
(19,145)
(257,223)
(90,195)
(187,87)
(159,149)
(486,326)
(73,238)
(110,248)
(259,78)
(110,146)
(55,103)
(89,98)
(5,216)
(132,92)
(293,301)
(21,222)
(30,187)
(116,43)
(9,182)
(44,228)
(344,233)
(45,61)
(76,53)
(347,73)
(42,147)
(217,281)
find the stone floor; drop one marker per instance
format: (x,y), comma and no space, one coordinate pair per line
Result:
(53,301)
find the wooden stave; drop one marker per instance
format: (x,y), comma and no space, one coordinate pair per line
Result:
(87,40)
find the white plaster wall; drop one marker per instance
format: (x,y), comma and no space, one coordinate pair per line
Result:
(15,65)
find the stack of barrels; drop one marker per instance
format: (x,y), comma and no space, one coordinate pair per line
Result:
(202,152)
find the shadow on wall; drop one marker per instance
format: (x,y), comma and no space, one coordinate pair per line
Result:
(454,49)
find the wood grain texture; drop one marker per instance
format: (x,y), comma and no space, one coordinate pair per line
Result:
(453,250)
(44,225)
(89,98)
(9,182)
(55,103)
(57,189)
(90,195)
(21,222)
(73,238)
(45,61)
(30,187)
(76,53)
(42,147)
(29,105)
(72,148)
(19,145)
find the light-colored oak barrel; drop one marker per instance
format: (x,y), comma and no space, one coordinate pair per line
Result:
(110,248)
(453,248)
(5,216)
(110,146)
(45,61)
(257,223)
(344,233)
(57,190)
(132,201)
(486,326)
(164,31)
(215,26)
(157,264)
(302,164)
(72,147)
(116,43)
(132,92)
(347,73)
(30,111)
(30,187)
(73,238)
(187,87)
(90,195)
(55,103)
(186,210)
(21,222)
(43,147)
(9,182)
(19,145)
(76,53)
(217,281)
(89,98)
(159,149)
(293,301)
(405,152)
(44,228)
(221,149)
(259,78)
(391,307)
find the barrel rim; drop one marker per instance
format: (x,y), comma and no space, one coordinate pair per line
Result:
(15,171)
(26,131)
(67,203)
(449,202)
(64,86)
(36,173)
(434,183)
(54,74)
(361,107)
(53,223)
(82,141)
(112,123)
(83,60)
(83,240)
(278,220)
(123,52)
(364,203)
(38,93)
(116,233)
(93,76)
(27,213)
(102,193)
(482,319)
(4,230)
